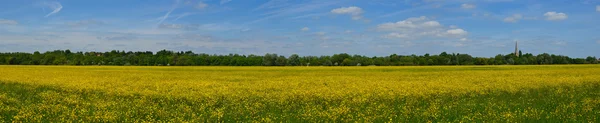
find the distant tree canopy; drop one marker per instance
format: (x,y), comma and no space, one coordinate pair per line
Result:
(189,58)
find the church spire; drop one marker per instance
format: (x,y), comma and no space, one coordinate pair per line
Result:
(517,48)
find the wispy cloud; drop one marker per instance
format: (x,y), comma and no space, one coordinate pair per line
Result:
(224,1)
(305,29)
(554,16)
(8,22)
(273,4)
(468,6)
(84,23)
(118,38)
(214,27)
(291,10)
(201,5)
(356,12)
(406,11)
(314,16)
(514,18)
(55,6)
(183,15)
(168,13)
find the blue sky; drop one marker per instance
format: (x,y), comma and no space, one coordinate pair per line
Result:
(306,27)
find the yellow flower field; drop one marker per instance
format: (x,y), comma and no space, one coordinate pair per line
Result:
(300,94)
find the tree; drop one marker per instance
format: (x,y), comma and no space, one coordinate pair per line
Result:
(499,59)
(544,58)
(10,60)
(294,60)
(481,61)
(347,62)
(280,61)
(269,59)
(591,60)
(189,58)
(327,63)
(406,60)
(339,58)
(465,59)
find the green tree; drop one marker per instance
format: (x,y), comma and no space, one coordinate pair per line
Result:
(269,59)
(499,59)
(347,62)
(294,60)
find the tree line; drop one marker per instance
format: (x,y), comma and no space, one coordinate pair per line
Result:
(189,58)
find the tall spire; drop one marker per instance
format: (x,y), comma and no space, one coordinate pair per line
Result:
(517,48)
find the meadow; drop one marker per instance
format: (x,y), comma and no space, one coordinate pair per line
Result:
(557,93)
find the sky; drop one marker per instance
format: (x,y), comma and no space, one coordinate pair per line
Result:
(482,28)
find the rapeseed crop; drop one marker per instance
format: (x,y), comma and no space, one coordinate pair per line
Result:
(300,94)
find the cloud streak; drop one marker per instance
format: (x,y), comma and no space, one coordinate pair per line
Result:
(84,23)
(168,13)
(273,4)
(225,1)
(55,6)
(8,22)
(291,10)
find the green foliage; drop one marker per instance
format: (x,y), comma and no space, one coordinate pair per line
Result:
(189,58)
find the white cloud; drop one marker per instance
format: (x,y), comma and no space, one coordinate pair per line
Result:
(8,22)
(305,29)
(419,27)
(409,24)
(559,43)
(458,32)
(396,35)
(216,27)
(514,18)
(225,1)
(322,36)
(468,6)
(321,33)
(356,12)
(118,37)
(598,41)
(55,6)
(201,5)
(171,26)
(84,23)
(554,16)
(598,8)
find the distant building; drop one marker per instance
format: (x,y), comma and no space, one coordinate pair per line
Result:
(517,48)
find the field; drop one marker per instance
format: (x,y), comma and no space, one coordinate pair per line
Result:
(568,93)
